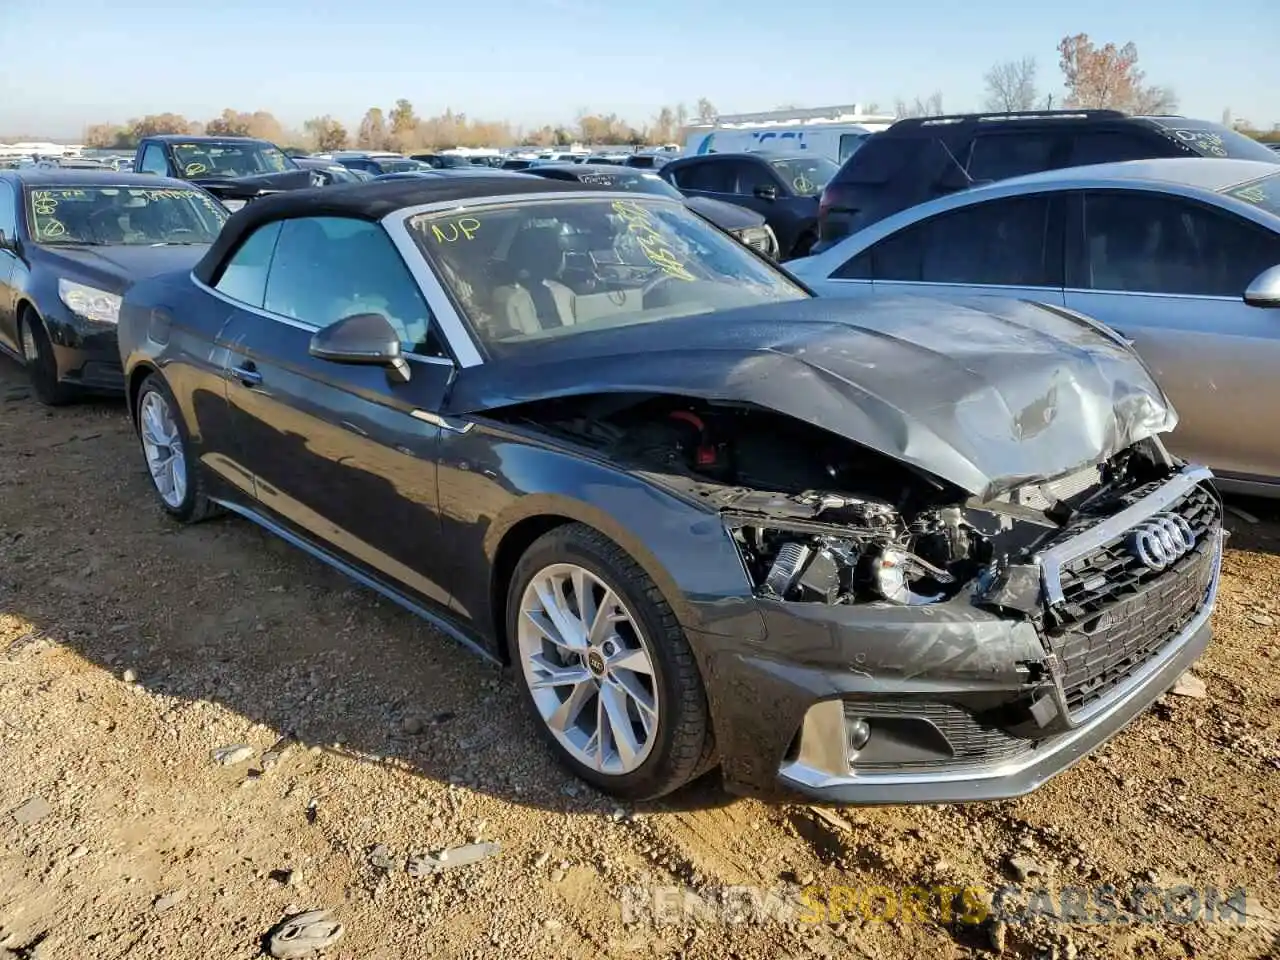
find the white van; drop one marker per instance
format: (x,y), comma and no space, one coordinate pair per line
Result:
(831,132)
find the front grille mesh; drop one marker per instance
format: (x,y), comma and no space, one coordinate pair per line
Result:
(1118,613)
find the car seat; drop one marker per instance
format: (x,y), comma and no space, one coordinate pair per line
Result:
(534,299)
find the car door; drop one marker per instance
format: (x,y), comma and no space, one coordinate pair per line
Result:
(8,264)
(1007,247)
(1169,273)
(342,453)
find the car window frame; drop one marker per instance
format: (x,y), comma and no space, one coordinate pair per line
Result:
(864,261)
(14,227)
(1075,273)
(433,320)
(164,158)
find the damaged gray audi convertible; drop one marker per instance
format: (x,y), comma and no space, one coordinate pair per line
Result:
(874,552)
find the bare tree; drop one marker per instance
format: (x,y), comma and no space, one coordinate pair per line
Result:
(930,106)
(1011,85)
(706,109)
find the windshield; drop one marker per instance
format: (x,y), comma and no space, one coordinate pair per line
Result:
(230,159)
(632,182)
(525,272)
(1263,194)
(1212,140)
(808,176)
(123,215)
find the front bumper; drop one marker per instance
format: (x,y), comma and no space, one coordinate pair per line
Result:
(1004,702)
(87,353)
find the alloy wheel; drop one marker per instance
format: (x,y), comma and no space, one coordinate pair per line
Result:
(162,445)
(589,668)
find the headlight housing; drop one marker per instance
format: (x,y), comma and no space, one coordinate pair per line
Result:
(760,239)
(89,302)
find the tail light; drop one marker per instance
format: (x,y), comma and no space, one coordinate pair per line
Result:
(835,199)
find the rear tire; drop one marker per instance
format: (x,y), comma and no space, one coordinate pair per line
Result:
(638,725)
(40,362)
(175,475)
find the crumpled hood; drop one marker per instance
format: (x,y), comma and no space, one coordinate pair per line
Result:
(985,393)
(246,188)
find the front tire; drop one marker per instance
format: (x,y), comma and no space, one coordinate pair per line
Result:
(166,448)
(605,667)
(41,364)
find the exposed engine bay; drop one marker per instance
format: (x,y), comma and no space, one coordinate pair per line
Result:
(818,518)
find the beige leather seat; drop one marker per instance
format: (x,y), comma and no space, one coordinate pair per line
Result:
(534,300)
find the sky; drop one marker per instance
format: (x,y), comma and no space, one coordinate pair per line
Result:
(65,64)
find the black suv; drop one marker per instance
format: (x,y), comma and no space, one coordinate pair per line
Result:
(783,188)
(922,158)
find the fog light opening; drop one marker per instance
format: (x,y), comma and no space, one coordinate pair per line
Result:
(858,732)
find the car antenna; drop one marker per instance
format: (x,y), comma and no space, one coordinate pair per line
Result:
(968,179)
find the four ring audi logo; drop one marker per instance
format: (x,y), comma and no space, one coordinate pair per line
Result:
(1161,540)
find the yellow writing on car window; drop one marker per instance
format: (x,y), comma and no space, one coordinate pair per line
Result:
(1252,194)
(451,231)
(44,203)
(194,168)
(50,229)
(644,228)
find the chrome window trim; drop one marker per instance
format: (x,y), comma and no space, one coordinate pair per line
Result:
(949,284)
(1212,297)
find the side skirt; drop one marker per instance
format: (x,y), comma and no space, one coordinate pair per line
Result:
(442,623)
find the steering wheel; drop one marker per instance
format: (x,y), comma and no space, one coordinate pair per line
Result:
(654,283)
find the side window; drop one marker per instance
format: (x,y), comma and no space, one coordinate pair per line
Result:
(750,175)
(1112,146)
(859,268)
(1150,243)
(244,278)
(8,211)
(998,156)
(849,143)
(712,176)
(1002,243)
(153,160)
(327,268)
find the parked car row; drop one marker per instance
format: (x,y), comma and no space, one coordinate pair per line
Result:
(869,550)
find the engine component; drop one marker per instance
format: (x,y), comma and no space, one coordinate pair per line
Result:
(786,568)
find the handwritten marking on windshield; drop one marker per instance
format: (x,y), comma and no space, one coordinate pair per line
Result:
(643,226)
(192,169)
(455,230)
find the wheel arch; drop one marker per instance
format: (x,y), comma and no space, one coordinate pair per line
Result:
(703,559)
(133,384)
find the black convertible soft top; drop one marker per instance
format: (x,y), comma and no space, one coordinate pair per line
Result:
(372,200)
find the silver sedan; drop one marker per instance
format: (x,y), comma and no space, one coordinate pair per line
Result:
(1181,257)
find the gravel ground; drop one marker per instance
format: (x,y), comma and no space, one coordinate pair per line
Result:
(132,649)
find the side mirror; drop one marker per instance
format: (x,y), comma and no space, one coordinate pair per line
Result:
(362,338)
(1265,289)
(766,193)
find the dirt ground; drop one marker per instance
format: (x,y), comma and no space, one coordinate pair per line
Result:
(132,648)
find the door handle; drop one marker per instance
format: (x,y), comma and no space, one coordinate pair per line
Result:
(247,374)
